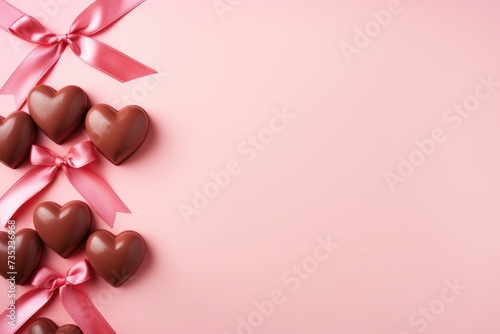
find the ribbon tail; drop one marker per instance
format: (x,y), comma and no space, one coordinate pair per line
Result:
(97,192)
(108,60)
(102,14)
(8,15)
(25,188)
(31,70)
(24,308)
(81,309)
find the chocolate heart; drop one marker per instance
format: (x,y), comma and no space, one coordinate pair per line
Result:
(47,326)
(27,256)
(17,134)
(62,228)
(42,326)
(57,113)
(117,134)
(68,329)
(116,259)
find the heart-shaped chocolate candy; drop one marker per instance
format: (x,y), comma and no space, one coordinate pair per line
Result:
(116,259)
(62,228)
(57,113)
(117,134)
(28,254)
(17,134)
(47,326)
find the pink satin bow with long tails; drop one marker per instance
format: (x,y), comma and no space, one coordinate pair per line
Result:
(97,17)
(94,189)
(47,283)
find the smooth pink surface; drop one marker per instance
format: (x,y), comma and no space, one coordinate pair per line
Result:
(322,175)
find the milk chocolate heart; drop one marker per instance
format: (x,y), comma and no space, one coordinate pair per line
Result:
(42,326)
(47,326)
(117,134)
(62,228)
(17,134)
(116,259)
(68,329)
(57,113)
(27,256)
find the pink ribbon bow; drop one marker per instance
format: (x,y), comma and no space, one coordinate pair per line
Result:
(74,301)
(97,17)
(94,189)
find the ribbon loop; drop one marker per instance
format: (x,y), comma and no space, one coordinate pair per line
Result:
(78,274)
(41,156)
(29,29)
(97,17)
(44,278)
(80,155)
(95,190)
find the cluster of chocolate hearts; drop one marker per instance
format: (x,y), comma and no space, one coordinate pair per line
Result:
(63,229)
(58,114)
(68,228)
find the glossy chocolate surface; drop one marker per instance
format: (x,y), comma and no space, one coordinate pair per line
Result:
(47,326)
(115,259)
(17,134)
(62,228)
(42,326)
(117,134)
(58,113)
(68,329)
(28,254)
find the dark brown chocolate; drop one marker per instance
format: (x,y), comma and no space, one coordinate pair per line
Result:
(62,228)
(17,134)
(57,113)
(68,329)
(47,326)
(42,326)
(115,259)
(28,254)
(117,134)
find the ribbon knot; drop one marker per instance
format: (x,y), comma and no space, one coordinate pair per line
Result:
(47,283)
(60,161)
(63,38)
(97,17)
(47,165)
(59,282)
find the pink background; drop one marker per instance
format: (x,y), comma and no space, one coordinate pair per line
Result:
(322,175)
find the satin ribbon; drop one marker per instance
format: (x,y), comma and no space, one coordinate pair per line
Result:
(47,283)
(97,17)
(95,190)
